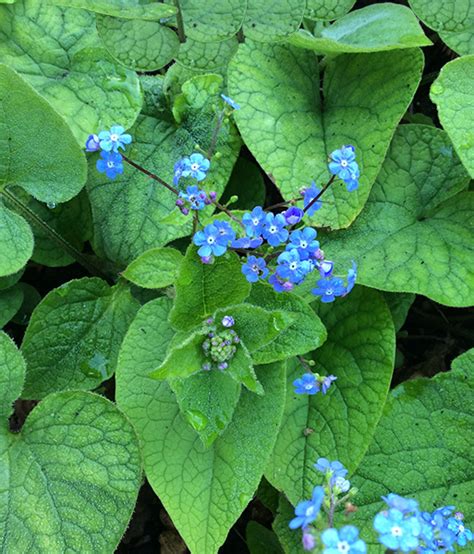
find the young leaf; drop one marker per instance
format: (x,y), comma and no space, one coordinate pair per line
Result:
(360,352)
(274,20)
(12,375)
(74,335)
(154,269)
(422,447)
(10,302)
(415,233)
(453,93)
(292,131)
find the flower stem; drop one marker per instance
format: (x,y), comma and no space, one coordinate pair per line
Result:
(151,175)
(215,135)
(228,212)
(318,196)
(332,507)
(179,21)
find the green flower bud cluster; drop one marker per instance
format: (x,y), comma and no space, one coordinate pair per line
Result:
(220,346)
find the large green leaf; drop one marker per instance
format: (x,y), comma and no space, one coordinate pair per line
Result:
(328,9)
(360,352)
(10,302)
(374,28)
(74,335)
(203,490)
(292,131)
(417,450)
(129,212)
(59,53)
(416,231)
(155,268)
(16,241)
(212,20)
(134,9)
(453,93)
(207,56)
(12,375)
(445,15)
(203,288)
(272,20)
(461,42)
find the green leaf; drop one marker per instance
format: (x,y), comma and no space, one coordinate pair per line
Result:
(417,451)
(203,490)
(269,21)
(415,233)
(31,298)
(16,241)
(137,44)
(290,132)
(306,332)
(10,302)
(461,42)
(453,93)
(374,28)
(242,371)
(155,268)
(328,9)
(129,212)
(70,479)
(213,20)
(360,352)
(9,280)
(261,540)
(290,540)
(202,288)
(253,194)
(74,335)
(207,402)
(133,9)
(207,56)
(444,15)
(12,375)
(59,53)
(399,305)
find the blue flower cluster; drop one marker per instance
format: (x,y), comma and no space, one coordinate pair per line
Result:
(196,167)
(109,142)
(311,383)
(344,166)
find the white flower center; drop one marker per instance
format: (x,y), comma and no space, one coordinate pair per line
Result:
(110,164)
(255,268)
(329,292)
(272,229)
(310,511)
(397,531)
(343,546)
(303,244)
(210,240)
(344,163)
(308,387)
(114,137)
(194,167)
(255,221)
(293,265)
(461,528)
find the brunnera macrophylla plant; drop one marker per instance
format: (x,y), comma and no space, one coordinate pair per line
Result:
(214,218)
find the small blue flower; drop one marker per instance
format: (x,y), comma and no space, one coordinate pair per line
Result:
(326,382)
(304,241)
(462,533)
(196,166)
(231,102)
(195,197)
(110,163)
(254,222)
(179,168)
(405,505)
(351,278)
(293,215)
(397,532)
(352,183)
(307,384)
(307,510)
(245,242)
(434,528)
(341,484)
(254,269)
(228,321)
(334,469)
(328,289)
(343,162)
(112,140)
(325,268)
(346,541)
(211,242)
(92,143)
(225,231)
(309,195)
(274,230)
(292,267)
(279,284)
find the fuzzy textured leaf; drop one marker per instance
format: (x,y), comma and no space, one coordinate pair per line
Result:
(328,9)
(212,20)
(134,9)
(272,20)
(16,241)
(10,302)
(12,375)
(155,268)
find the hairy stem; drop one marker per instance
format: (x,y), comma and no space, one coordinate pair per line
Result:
(151,175)
(179,21)
(215,135)
(318,196)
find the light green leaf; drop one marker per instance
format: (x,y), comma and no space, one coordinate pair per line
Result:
(417,451)
(70,479)
(10,302)
(246,182)
(272,20)
(16,241)
(155,268)
(415,233)
(399,305)
(374,28)
(207,56)
(261,540)
(453,93)
(134,9)
(74,335)
(242,371)
(213,20)
(59,53)
(202,288)
(203,490)
(137,44)
(444,15)
(360,352)
(328,9)
(129,212)
(291,134)
(12,375)
(461,42)
(207,402)
(306,332)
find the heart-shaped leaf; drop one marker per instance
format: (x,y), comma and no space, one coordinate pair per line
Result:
(155,268)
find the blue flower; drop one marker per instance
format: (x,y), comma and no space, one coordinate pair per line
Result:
(292,267)
(231,102)
(245,242)
(254,269)
(195,196)
(352,183)
(343,163)
(462,533)
(307,510)
(293,215)
(334,469)
(307,384)
(280,285)
(434,529)
(328,289)
(326,382)
(211,242)
(254,222)
(179,168)
(351,278)
(401,503)
(196,166)
(309,195)
(345,540)
(110,163)
(325,268)
(225,231)
(303,241)
(274,229)
(114,139)
(341,484)
(228,321)
(308,540)
(397,532)
(92,143)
